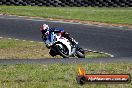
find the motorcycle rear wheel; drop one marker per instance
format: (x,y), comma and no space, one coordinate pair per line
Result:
(80,53)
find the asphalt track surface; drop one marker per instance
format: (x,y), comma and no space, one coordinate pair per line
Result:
(114,40)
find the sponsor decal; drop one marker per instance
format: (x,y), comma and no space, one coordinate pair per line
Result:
(83,78)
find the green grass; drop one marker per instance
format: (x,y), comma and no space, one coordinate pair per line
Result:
(17,49)
(58,75)
(108,15)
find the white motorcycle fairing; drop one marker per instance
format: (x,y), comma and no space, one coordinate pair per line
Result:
(65,42)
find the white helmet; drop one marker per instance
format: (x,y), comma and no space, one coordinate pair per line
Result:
(44,27)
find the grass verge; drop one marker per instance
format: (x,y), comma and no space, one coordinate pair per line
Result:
(58,75)
(17,49)
(107,15)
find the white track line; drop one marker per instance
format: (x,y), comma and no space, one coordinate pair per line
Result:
(31,41)
(9,38)
(41,42)
(23,40)
(95,51)
(89,50)
(99,52)
(112,55)
(16,39)
(84,49)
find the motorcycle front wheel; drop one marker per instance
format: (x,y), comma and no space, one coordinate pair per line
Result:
(62,50)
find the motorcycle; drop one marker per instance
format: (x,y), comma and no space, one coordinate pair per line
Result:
(63,47)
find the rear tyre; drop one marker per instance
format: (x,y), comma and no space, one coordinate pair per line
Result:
(80,53)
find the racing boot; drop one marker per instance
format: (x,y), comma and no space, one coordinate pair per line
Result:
(48,44)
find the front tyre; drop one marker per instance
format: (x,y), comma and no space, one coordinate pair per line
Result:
(52,53)
(62,50)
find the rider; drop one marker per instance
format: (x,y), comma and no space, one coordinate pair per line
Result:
(47,35)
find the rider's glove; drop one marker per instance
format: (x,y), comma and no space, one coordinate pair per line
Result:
(47,33)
